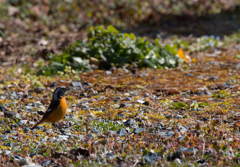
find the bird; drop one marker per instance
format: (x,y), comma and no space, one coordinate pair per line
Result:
(57,108)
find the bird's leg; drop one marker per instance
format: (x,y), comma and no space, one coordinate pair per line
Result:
(54,125)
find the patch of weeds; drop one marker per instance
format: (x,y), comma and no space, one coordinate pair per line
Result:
(179,105)
(33,79)
(104,126)
(108,47)
(221,94)
(199,44)
(196,105)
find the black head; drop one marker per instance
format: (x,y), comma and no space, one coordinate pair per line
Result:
(59,92)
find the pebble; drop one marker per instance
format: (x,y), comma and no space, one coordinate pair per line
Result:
(95,130)
(129,122)
(3,108)
(151,158)
(191,150)
(45,163)
(28,108)
(4,137)
(77,84)
(110,155)
(9,114)
(166,134)
(128,98)
(122,132)
(178,161)
(53,85)
(32,165)
(38,89)
(137,130)
(25,161)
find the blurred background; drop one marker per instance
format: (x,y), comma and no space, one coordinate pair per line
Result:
(30,29)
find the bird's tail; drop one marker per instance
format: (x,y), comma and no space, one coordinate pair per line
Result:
(36,125)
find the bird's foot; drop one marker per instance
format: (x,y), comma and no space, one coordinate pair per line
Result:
(55,126)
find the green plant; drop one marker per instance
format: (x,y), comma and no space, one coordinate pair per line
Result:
(103,126)
(221,94)
(109,47)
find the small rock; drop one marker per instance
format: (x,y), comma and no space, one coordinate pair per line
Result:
(129,122)
(190,165)
(26,130)
(189,74)
(95,130)
(174,156)
(25,161)
(166,134)
(199,109)
(53,85)
(8,152)
(84,107)
(77,84)
(207,93)
(17,157)
(4,137)
(32,165)
(188,150)
(178,116)
(180,138)
(110,155)
(37,104)
(201,161)
(122,132)
(89,135)
(182,129)
(151,158)
(87,84)
(213,78)
(80,151)
(3,108)
(28,108)
(45,163)
(128,99)
(19,123)
(146,103)
(9,144)
(63,137)
(13,115)
(200,93)
(184,95)
(121,115)
(122,105)
(140,101)
(117,100)
(14,95)
(108,72)
(82,94)
(178,161)
(112,132)
(20,110)
(193,109)
(137,130)
(169,116)
(38,89)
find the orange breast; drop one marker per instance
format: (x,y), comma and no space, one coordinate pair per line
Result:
(59,113)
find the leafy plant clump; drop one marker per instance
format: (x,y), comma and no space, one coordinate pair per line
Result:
(108,47)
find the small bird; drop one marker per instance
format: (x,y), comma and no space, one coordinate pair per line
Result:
(57,108)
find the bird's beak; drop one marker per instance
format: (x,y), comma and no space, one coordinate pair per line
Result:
(67,88)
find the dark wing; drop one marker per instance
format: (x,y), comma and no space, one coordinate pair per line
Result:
(53,106)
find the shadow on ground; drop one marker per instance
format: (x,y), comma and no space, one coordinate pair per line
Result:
(221,24)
